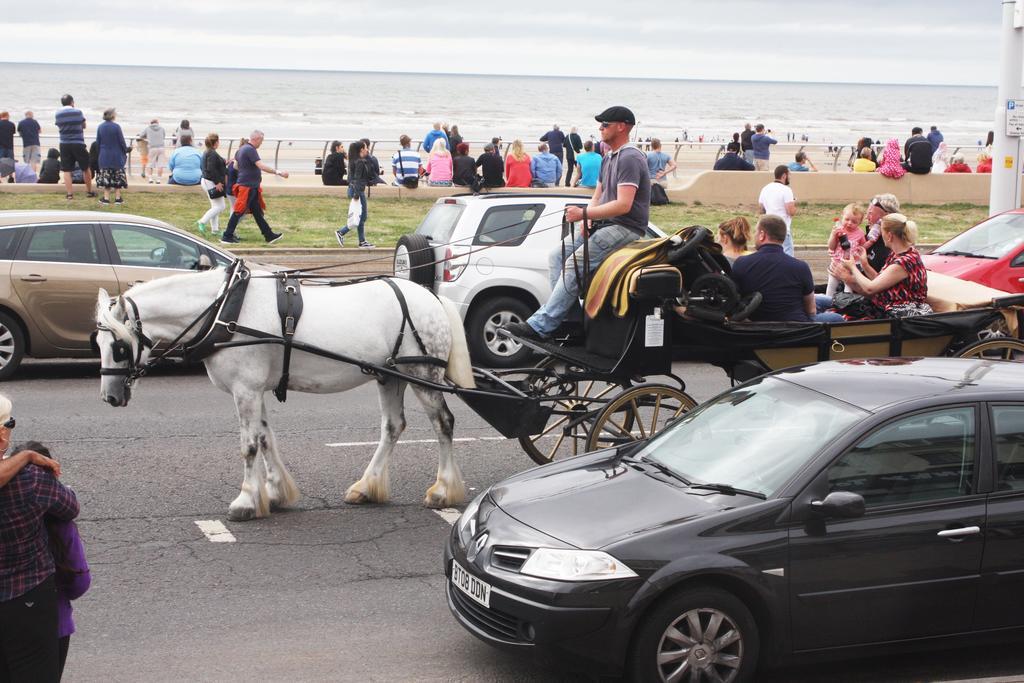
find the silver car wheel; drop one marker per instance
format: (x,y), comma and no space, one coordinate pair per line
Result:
(701,645)
(498,345)
(6,346)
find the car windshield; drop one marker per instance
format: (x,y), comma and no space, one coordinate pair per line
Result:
(440,222)
(994,238)
(755,437)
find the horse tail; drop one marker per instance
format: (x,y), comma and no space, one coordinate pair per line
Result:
(460,369)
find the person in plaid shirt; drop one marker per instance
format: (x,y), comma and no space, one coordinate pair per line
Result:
(28,594)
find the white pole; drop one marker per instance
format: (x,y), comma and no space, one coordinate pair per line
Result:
(1006,163)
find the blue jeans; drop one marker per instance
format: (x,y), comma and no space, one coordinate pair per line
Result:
(565,289)
(823,302)
(748,156)
(361,230)
(787,245)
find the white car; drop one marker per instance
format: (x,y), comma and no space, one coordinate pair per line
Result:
(488,253)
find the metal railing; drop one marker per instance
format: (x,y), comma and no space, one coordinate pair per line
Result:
(297,155)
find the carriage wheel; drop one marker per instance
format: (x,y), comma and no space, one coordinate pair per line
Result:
(558,439)
(638,414)
(996,348)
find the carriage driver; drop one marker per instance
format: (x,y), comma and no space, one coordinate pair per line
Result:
(618,211)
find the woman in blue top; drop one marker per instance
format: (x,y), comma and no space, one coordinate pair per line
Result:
(186,163)
(113,153)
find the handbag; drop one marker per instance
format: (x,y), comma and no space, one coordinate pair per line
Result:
(856,306)
(355,212)
(215,193)
(409,182)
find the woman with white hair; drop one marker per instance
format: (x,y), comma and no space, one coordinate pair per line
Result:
(439,165)
(957,164)
(28,591)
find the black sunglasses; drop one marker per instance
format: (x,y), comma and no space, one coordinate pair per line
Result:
(10,423)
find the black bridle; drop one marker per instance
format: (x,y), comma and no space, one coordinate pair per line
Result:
(122,349)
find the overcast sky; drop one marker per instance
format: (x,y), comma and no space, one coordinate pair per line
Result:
(874,41)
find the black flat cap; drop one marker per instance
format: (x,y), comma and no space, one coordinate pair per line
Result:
(616,115)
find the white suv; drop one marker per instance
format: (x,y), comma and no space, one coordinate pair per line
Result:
(488,253)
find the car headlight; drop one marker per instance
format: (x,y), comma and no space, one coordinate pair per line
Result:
(575,565)
(469,516)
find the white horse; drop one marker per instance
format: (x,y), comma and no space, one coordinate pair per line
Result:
(361,321)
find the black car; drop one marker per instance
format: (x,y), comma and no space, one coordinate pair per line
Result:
(838,508)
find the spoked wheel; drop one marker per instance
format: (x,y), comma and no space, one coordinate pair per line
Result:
(996,348)
(637,414)
(566,432)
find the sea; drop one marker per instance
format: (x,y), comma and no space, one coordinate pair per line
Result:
(323,105)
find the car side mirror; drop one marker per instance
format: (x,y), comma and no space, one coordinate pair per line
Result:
(205,262)
(844,504)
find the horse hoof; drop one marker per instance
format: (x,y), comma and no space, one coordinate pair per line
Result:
(435,501)
(241,514)
(353,497)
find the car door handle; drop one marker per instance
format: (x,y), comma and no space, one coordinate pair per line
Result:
(33,278)
(962,531)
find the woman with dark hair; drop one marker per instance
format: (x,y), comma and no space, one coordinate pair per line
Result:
(213,182)
(184,128)
(334,166)
(72,571)
(28,588)
(360,174)
(454,138)
(464,166)
(49,172)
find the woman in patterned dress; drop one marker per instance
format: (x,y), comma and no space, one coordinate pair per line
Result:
(900,289)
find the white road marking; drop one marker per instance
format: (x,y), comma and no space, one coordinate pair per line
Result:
(215,530)
(350,444)
(450,515)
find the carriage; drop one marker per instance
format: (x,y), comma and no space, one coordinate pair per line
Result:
(608,383)
(612,382)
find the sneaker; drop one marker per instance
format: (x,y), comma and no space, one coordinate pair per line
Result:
(151,181)
(157,181)
(521,330)
(273,237)
(202,228)
(366,245)
(91,195)
(229,239)
(105,202)
(119,201)
(69,196)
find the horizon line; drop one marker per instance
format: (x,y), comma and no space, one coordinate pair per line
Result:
(496,75)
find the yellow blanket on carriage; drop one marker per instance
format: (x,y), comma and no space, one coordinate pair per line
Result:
(610,284)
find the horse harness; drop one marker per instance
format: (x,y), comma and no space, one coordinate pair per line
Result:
(219,329)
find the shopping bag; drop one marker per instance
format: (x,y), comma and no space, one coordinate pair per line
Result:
(355,212)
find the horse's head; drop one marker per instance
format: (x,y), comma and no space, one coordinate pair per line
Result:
(122,349)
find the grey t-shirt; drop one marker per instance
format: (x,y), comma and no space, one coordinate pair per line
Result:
(627,166)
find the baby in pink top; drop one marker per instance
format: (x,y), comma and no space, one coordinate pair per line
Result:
(849,227)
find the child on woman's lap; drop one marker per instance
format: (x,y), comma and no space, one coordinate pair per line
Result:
(847,227)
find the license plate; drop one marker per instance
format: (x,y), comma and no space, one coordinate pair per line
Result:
(470,585)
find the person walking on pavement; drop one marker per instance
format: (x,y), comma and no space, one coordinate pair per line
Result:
(573,146)
(620,210)
(360,174)
(248,193)
(215,172)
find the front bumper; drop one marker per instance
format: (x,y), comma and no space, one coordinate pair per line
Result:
(579,626)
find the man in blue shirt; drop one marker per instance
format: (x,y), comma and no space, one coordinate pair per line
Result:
(186,163)
(802,164)
(248,193)
(762,147)
(430,138)
(71,124)
(658,163)
(588,166)
(406,163)
(785,283)
(732,161)
(935,137)
(545,167)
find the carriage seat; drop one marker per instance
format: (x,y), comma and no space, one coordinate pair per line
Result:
(655,283)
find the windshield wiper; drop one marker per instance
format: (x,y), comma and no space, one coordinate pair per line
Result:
(954,252)
(729,490)
(664,469)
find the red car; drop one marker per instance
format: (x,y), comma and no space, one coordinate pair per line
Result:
(991,253)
